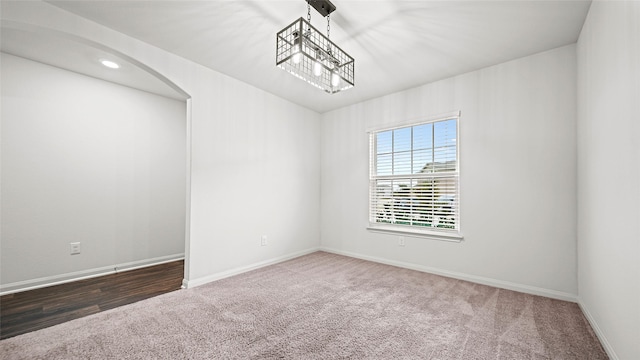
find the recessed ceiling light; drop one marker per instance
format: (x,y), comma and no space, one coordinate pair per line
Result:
(110,64)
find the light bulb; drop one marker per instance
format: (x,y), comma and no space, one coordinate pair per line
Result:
(335,79)
(317,68)
(110,64)
(297,56)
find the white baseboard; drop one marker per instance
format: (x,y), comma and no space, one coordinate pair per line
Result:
(461,276)
(32,284)
(594,325)
(239,270)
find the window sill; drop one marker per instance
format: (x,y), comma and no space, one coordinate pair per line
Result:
(435,235)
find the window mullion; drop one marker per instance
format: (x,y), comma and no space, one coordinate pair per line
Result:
(393,152)
(433,147)
(411,194)
(443,174)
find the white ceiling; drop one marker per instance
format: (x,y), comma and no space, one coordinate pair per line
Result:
(396,44)
(84,58)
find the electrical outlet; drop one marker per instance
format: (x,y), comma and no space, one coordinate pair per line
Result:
(75,248)
(263,240)
(400,240)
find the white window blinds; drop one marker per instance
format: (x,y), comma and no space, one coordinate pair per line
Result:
(414,177)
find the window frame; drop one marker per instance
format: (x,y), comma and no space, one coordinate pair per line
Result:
(454,235)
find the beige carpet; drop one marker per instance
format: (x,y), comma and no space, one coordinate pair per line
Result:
(324,306)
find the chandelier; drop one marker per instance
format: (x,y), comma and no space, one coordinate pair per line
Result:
(309,55)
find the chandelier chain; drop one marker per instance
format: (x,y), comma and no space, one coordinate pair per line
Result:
(328,26)
(309,17)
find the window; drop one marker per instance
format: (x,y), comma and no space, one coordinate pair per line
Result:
(414,174)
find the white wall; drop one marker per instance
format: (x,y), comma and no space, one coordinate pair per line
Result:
(608,58)
(254,157)
(255,171)
(518,174)
(85,160)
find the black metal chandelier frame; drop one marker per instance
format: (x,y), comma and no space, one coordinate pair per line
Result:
(308,54)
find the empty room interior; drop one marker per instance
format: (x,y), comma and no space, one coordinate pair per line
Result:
(334,179)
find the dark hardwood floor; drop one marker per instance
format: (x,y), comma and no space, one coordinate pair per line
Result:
(37,309)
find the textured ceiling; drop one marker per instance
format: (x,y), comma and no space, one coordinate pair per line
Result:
(396,44)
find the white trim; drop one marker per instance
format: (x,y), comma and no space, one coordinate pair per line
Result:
(415,232)
(32,284)
(418,121)
(187,204)
(599,333)
(554,294)
(239,270)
